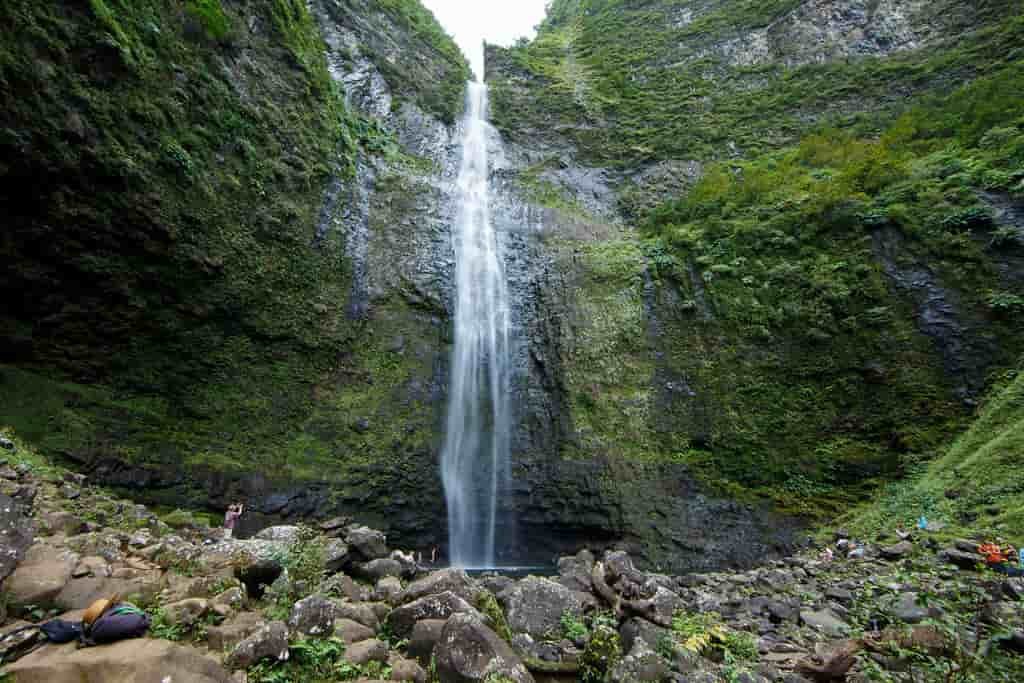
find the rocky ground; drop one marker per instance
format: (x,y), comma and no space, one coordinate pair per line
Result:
(336,603)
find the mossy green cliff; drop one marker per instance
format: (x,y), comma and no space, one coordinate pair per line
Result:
(176,293)
(810,269)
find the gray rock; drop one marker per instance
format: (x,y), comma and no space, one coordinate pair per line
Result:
(365,651)
(469,651)
(388,590)
(7,445)
(352,631)
(61,522)
(641,664)
(40,577)
(444,581)
(359,612)
(312,616)
(269,641)
(331,526)
(442,606)
(1014,589)
(909,611)
(186,612)
(281,534)
(839,594)
(423,638)
(368,543)
(344,586)
(574,572)
(406,670)
(378,569)
(825,621)
(634,630)
(232,632)
(337,556)
(898,551)
(618,563)
(16,535)
(535,605)
(962,559)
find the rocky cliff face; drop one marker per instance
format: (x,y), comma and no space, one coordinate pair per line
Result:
(793,351)
(729,316)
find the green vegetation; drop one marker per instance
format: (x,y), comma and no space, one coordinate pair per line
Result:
(753,332)
(305,564)
(212,17)
(430,69)
(316,661)
(489,607)
(634,82)
(192,312)
(602,653)
(976,484)
(705,635)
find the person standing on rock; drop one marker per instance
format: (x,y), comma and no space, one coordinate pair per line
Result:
(235,511)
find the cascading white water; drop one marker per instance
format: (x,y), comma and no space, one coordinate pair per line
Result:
(475,459)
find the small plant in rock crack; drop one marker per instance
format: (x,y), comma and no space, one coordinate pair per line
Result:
(160,628)
(573,627)
(316,660)
(705,635)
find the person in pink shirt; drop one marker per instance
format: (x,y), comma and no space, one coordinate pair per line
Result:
(231,517)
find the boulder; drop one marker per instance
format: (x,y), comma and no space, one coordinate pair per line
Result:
(961,558)
(94,566)
(406,670)
(535,605)
(334,524)
(469,651)
(574,572)
(641,664)
(80,593)
(368,543)
(360,612)
(229,634)
(898,551)
(257,575)
(40,577)
(186,612)
(387,590)
(15,535)
(423,639)
(269,641)
(451,580)
(909,611)
(633,630)
(401,620)
(410,568)
(1013,589)
(61,522)
(281,534)
(142,660)
(366,651)
(343,586)
(337,556)
(378,569)
(618,564)
(312,616)
(825,622)
(232,598)
(352,631)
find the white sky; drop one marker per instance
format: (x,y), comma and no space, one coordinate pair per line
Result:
(497,21)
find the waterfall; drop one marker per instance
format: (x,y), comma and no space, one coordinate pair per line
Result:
(475,458)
